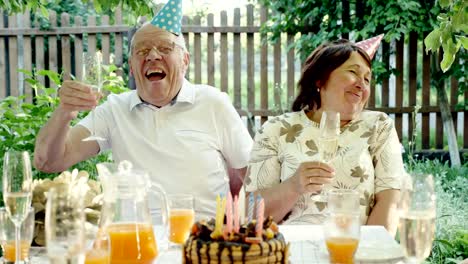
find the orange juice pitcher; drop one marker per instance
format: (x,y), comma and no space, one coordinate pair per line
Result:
(125,213)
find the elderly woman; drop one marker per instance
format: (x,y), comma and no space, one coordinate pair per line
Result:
(284,166)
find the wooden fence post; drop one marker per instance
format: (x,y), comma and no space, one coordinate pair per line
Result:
(52,51)
(237,62)
(250,73)
(27,56)
(3,61)
(197,52)
(210,68)
(224,55)
(66,51)
(118,48)
(78,50)
(263,67)
(13,55)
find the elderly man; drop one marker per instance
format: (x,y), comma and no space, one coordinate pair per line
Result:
(186,136)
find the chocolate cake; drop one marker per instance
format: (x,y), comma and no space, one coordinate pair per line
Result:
(205,246)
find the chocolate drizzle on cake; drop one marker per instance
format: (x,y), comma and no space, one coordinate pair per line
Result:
(243,246)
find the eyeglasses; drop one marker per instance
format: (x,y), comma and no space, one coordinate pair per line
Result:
(163,48)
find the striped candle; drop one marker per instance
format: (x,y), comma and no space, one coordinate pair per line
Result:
(223,209)
(228,228)
(260,217)
(251,207)
(236,214)
(242,206)
(218,213)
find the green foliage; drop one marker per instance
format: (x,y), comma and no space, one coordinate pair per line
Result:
(395,18)
(323,20)
(450,32)
(22,120)
(17,6)
(137,7)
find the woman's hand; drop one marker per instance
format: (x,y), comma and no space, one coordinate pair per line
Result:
(311,176)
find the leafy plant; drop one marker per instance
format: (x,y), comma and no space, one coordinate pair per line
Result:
(140,7)
(21,120)
(450,33)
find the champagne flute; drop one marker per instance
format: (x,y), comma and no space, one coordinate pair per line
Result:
(328,142)
(417,216)
(65,226)
(92,75)
(17,191)
(329,132)
(7,236)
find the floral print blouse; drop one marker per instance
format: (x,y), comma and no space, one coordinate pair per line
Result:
(368,159)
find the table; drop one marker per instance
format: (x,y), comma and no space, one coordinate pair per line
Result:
(307,247)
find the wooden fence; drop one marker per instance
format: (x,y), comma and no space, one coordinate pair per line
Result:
(227,51)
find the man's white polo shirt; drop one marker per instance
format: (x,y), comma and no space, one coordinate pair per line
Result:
(186,146)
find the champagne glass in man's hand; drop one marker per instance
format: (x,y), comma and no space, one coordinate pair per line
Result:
(92,76)
(17,191)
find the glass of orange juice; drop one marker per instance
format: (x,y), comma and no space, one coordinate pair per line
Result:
(342,226)
(181,218)
(7,236)
(99,251)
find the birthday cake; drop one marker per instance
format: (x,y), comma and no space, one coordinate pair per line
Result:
(246,244)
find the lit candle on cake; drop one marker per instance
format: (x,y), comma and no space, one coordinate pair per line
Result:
(260,216)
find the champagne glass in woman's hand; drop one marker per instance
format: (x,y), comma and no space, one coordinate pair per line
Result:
(417,216)
(329,132)
(328,141)
(17,190)
(92,75)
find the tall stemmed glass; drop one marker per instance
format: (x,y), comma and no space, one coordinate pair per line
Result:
(17,191)
(329,133)
(417,216)
(92,75)
(65,226)
(328,142)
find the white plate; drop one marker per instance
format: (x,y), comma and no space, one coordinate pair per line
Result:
(366,253)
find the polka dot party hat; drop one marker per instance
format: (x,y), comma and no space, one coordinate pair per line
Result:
(169,17)
(370,45)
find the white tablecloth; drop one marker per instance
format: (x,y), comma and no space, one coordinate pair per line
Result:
(307,247)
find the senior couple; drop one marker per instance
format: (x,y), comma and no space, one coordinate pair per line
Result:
(192,140)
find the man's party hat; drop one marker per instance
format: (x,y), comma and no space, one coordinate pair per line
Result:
(370,45)
(169,17)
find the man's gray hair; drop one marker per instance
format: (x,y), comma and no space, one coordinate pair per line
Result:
(179,41)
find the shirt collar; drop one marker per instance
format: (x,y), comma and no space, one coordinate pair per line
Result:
(186,94)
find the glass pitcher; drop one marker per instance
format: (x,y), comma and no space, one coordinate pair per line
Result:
(125,212)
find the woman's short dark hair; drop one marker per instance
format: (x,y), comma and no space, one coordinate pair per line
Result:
(317,69)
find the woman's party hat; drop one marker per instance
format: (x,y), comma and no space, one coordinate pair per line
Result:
(370,45)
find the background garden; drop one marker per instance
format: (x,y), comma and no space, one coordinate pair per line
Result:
(310,22)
